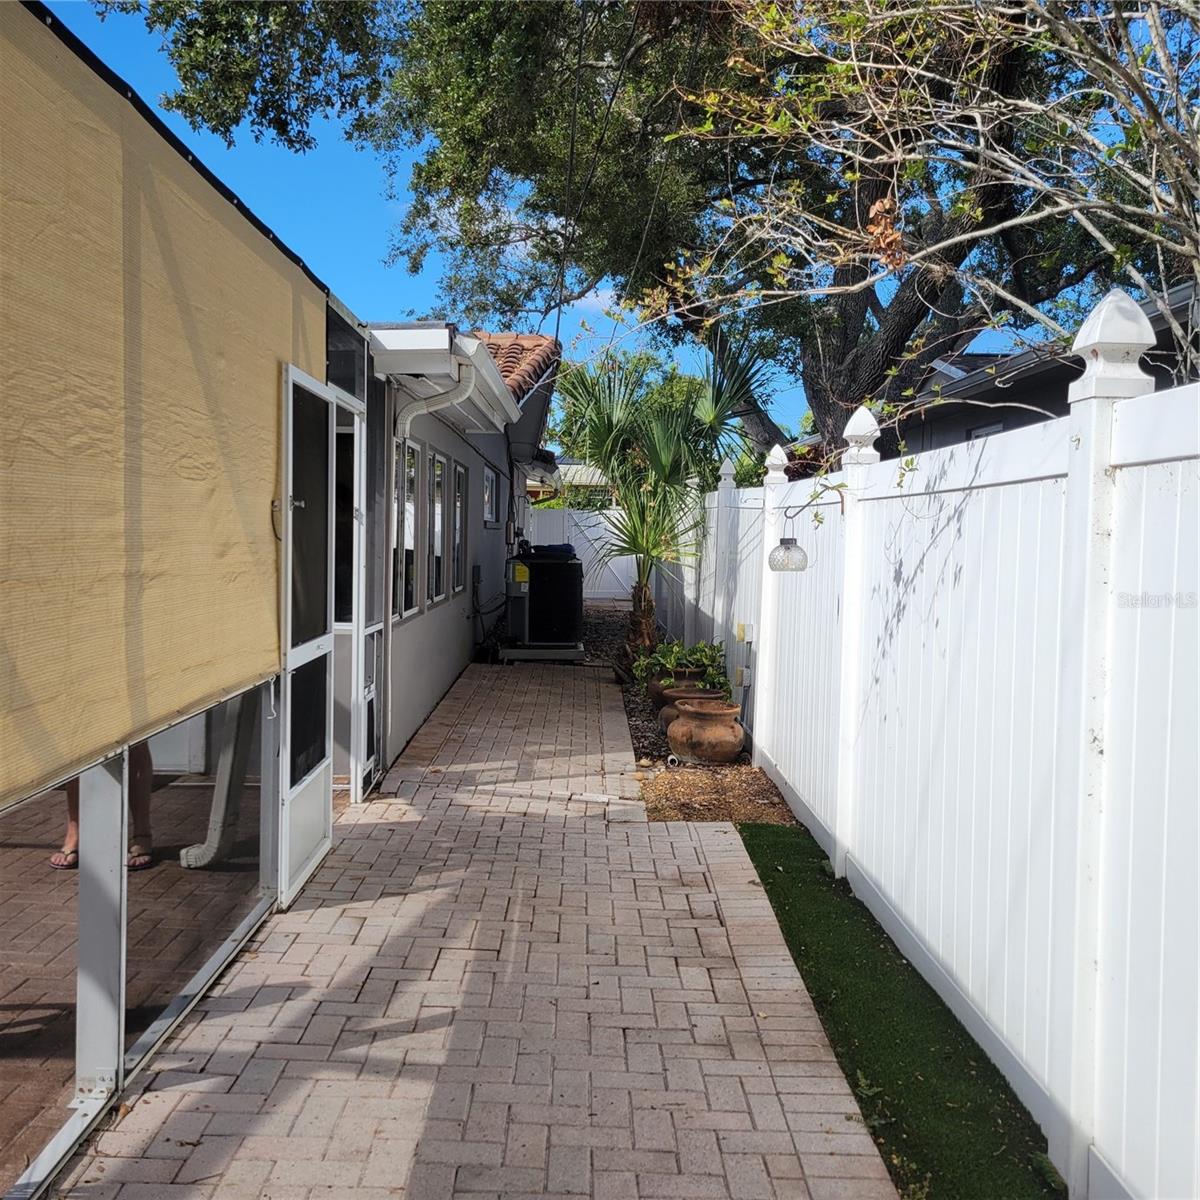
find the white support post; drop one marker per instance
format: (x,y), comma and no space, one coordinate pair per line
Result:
(270,802)
(100,967)
(860,433)
(690,568)
(724,582)
(1111,343)
(766,634)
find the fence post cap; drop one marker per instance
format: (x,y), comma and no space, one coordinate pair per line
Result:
(1117,322)
(860,433)
(776,462)
(728,471)
(1111,342)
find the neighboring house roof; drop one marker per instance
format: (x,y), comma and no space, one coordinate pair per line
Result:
(577,474)
(995,373)
(523,358)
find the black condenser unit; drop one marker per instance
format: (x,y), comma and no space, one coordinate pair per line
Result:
(544,588)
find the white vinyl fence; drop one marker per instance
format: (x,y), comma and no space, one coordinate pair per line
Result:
(981,698)
(586,530)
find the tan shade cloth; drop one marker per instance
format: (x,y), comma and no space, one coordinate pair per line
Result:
(144,325)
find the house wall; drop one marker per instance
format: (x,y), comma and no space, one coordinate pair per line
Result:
(430,647)
(145,321)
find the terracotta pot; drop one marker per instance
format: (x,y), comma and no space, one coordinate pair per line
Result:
(706,731)
(688,691)
(678,677)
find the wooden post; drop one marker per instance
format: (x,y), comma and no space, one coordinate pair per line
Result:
(1111,342)
(861,432)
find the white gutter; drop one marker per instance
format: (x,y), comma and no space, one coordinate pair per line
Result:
(489,376)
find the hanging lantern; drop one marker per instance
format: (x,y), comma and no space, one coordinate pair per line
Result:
(787,556)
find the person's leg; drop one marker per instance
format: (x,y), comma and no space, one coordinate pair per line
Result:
(68,856)
(141,780)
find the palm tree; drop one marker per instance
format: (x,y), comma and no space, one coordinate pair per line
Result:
(650,453)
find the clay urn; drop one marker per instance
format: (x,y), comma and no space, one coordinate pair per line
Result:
(706,731)
(687,691)
(680,676)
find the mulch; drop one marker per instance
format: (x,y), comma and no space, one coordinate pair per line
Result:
(733,793)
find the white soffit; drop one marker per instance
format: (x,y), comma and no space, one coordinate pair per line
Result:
(431,361)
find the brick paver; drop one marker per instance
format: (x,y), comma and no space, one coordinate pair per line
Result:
(505,987)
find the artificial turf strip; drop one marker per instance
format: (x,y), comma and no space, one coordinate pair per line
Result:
(946,1122)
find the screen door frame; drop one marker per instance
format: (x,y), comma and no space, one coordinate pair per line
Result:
(306,804)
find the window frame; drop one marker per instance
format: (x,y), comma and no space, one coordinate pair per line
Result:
(491,519)
(349,433)
(459,499)
(401,448)
(977,432)
(433,459)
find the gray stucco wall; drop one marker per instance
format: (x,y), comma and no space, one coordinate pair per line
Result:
(430,648)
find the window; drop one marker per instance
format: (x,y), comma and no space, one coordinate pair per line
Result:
(437,528)
(412,459)
(343,520)
(404,544)
(491,497)
(982,431)
(310,517)
(458,531)
(376,526)
(345,355)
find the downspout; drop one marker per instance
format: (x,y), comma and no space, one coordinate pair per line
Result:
(459,391)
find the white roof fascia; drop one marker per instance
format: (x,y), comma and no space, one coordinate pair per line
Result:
(441,370)
(490,379)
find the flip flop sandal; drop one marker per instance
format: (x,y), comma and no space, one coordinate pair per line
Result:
(72,863)
(139,850)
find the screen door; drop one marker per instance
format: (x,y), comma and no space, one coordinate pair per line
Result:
(306,736)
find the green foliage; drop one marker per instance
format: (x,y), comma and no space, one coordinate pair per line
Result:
(663,387)
(661,662)
(652,524)
(946,1121)
(275,66)
(485,91)
(631,417)
(717,127)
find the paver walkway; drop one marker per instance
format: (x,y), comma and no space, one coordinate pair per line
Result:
(505,989)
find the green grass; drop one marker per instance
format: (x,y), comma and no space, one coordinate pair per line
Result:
(946,1122)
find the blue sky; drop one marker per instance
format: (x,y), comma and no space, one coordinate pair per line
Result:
(329,205)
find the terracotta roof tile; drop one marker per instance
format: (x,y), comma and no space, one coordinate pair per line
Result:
(523,358)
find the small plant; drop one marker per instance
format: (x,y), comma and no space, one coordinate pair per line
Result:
(660,661)
(709,658)
(667,658)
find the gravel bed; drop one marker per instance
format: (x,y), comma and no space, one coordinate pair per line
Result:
(649,740)
(604,630)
